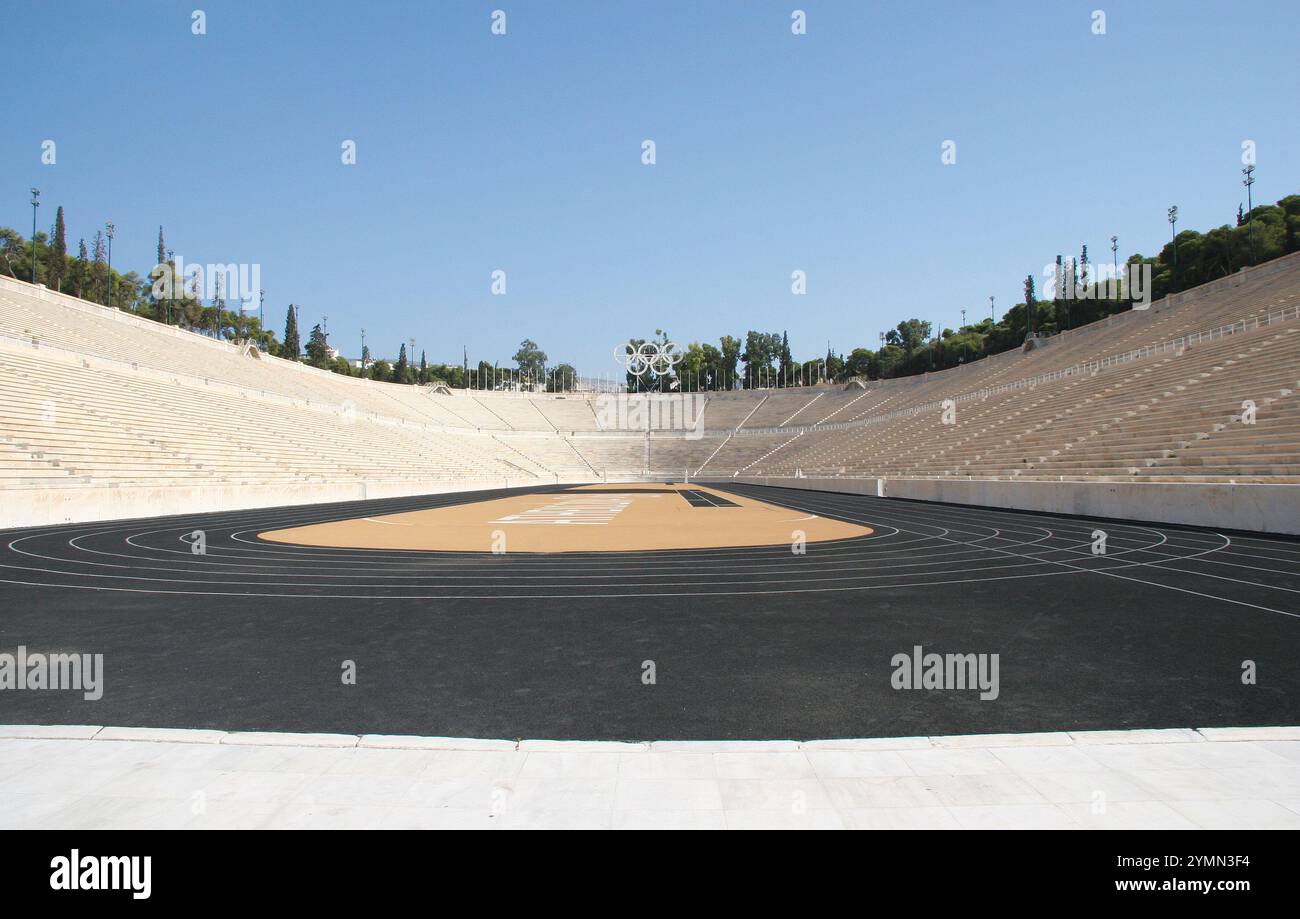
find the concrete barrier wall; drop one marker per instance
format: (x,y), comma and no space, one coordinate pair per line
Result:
(1258,508)
(46,506)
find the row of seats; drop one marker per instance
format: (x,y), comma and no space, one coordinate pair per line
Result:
(91,396)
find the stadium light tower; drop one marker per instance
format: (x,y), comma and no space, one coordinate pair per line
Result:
(1114,258)
(363,350)
(111,231)
(36,202)
(1248,181)
(171,288)
(1173,230)
(261,301)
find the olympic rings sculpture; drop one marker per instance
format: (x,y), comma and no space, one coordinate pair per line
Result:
(649,357)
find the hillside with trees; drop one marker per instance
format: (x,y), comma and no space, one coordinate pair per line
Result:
(759,359)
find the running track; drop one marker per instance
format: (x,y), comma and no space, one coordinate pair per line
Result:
(747,643)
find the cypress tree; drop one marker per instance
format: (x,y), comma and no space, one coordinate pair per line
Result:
(56,256)
(81,270)
(400,368)
(291,347)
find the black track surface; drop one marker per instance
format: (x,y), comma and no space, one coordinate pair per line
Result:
(747,643)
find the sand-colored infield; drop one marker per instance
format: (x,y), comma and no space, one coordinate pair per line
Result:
(587,518)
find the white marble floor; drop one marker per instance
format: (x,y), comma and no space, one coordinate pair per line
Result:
(104,777)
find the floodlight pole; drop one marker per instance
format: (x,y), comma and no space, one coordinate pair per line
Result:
(1114,258)
(111,231)
(1173,230)
(36,202)
(1249,173)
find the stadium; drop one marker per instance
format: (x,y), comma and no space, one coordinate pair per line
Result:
(1051,583)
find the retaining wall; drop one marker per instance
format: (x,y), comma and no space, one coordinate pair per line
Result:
(1258,508)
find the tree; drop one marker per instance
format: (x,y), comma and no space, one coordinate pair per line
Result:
(11,251)
(290,349)
(561,378)
(1031,300)
(32,259)
(130,292)
(531,360)
(786,361)
(219,311)
(834,366)
(81,269)
(712,371)
(691,368)
(162,268)
(730,351)
(401,368)
(56,261)
(860,363)
(99,272)
(761,350)
(318,348)
(191,307)
(1290,207)
(909,335)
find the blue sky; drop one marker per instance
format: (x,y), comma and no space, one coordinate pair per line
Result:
(522,152)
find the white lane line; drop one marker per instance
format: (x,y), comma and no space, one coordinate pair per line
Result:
(921,538)
(1110,573)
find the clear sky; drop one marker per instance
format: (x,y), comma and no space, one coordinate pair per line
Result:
(523,152)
